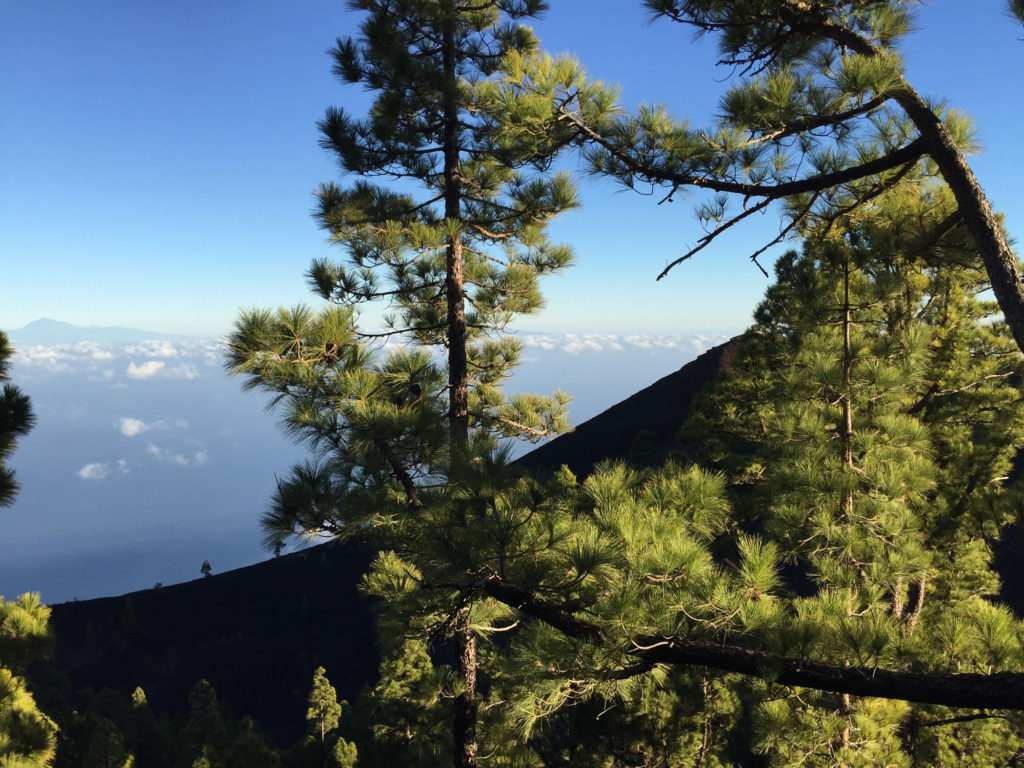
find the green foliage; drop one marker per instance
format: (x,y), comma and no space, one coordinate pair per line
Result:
(344,754)
(106,747)
(16,420)
(855,473)
(896,539)
(400,719)
(855,435)
(116,729)
(643,451)
(455,264)
(816,94)
(819,118)
(250,748)
(324,710)
(27,736)
(205,735)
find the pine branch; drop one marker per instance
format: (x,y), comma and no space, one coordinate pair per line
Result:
(959,719)
(1000,690)
(909,153)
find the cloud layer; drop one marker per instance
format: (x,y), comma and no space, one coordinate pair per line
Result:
(576,343)
(122,363)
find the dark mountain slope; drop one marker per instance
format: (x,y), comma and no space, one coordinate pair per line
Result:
(659,409)
(256,634)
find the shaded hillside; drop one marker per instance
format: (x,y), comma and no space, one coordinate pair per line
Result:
(256,634)
(659,410)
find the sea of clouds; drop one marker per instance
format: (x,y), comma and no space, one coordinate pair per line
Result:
(147,459)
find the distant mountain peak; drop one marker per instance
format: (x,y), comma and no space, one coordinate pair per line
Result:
(46,331)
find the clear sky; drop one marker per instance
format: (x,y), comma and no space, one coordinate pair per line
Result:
(157,159)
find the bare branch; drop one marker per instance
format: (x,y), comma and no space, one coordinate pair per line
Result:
(705,241)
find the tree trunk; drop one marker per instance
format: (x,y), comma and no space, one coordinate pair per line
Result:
(1000,262)
(464,737)
(846,397)
(458,377)
(464,722)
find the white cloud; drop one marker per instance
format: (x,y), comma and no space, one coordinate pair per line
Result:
(159,368)
(184,371)
(61,358)
(93,350)
(574,345)
(122,467)
(147,370)
(55,358)
(132,427)
(152,349)
(178,360)
(177,459)
(95,471)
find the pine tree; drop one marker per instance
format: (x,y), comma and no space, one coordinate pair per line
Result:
(868,455)
(250,748)
(205,734)
(858,422)
(16,420)
(106,747)
(27,736)
(822,111)
(397,719)
(453,264)
(324,711)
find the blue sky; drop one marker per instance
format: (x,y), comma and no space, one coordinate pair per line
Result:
(157,159)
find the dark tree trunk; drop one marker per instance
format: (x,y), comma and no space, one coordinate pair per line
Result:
(999,690)
(464,736)
(458,377)
(464,722)
(1000,262)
